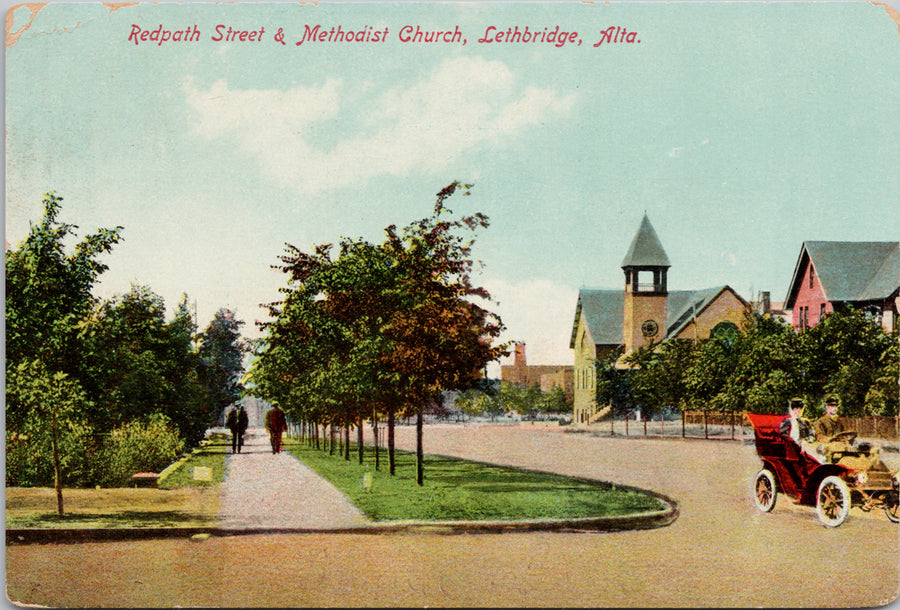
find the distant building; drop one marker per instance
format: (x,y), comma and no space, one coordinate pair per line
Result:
(645,311)
(834,274)
(546,376)
(766,307)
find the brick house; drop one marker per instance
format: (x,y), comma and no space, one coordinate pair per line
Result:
(546,376)
(834,274)
(644,311)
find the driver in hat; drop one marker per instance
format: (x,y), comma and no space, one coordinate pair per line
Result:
(827,427)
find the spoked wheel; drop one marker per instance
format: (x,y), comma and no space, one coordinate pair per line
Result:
(764,491)
(833,501)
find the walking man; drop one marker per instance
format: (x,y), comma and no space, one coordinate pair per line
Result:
(276,424)
(237,422)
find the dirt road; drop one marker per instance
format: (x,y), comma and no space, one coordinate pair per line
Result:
(721,552)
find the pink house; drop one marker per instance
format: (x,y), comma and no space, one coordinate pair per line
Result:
(834,274)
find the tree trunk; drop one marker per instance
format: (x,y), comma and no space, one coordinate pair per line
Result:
(57,478)
(331,439)
(359,439)
(391,464)
(347,442)
(375,436)
(420,465)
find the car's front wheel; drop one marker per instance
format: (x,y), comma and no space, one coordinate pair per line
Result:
(764,491)
(832,501)
(893,512)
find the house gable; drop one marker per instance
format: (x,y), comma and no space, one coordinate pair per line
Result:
(848,271)
(833,273)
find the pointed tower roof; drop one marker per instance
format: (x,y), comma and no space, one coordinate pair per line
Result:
(646,249)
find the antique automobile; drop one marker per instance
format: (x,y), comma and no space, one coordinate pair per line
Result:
(853,476)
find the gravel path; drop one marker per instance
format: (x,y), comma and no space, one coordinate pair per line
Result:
(263,490)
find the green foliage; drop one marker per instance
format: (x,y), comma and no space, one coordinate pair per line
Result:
(222,361)
(143,364)
(613,383)
(660,376)
(845,354)
(147,445)
(882,397)
(378,329)
(51,423)
(48,292)
(760,367)
(76,369)
(554,401)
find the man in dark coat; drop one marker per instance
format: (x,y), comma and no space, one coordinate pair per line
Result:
(237,422)
(276,424)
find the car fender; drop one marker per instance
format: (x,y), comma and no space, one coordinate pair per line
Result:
(815,479)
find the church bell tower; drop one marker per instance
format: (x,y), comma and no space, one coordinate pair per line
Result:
(645,310)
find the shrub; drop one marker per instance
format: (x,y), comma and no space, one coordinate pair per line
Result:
(147,445)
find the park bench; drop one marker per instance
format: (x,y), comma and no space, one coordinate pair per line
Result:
(144,479)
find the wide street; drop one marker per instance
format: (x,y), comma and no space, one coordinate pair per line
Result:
(720,552)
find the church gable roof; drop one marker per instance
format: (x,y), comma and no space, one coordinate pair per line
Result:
(646,250)
(689,304)
(602,313)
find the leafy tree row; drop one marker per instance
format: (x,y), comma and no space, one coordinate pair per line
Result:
(759,367)
(528,401)
(82,374)
(378,331)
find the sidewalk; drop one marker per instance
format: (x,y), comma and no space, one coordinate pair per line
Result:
(263,490)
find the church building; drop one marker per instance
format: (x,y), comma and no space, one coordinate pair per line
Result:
(644,311)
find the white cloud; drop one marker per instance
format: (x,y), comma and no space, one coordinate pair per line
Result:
(538,312)
(462,104)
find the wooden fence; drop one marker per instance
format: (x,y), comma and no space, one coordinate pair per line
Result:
(734,426)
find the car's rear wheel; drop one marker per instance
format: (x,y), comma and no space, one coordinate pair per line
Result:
(764,490)
(832,501)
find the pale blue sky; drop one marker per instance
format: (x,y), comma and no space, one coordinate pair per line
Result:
(742,129)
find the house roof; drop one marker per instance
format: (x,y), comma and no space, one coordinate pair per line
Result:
(850,271)
(646,250)
(603,312)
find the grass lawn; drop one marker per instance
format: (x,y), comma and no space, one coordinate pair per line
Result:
(180,501)
(35,507)
(210,454)
(461,490)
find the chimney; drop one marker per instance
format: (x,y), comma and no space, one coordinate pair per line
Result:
(520,354)
(766,302)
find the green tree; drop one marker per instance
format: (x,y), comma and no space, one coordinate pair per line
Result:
(612,386)
(143,364)
(222,361)
(475,403)
(379,330)
(48,296)
(442,337)
(658,379)
(766,372)
(843,355)
(52,403)
(553,401)
(883,397)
